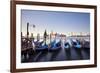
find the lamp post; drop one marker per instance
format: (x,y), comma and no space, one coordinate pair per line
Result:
(28,31)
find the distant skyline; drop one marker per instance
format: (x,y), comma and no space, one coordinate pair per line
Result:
(56,21)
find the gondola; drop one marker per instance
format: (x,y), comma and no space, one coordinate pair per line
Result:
(76,44)
(66,46)
(41,46)
(86,44)
(55,46)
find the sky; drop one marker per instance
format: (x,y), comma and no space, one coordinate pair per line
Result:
(56,21)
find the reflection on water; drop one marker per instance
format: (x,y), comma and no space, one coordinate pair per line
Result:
(79,53)
(68,54)
(54,55)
